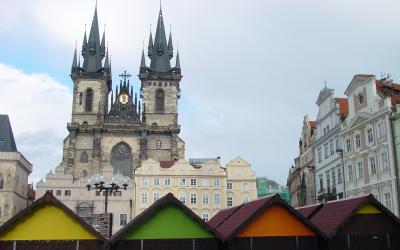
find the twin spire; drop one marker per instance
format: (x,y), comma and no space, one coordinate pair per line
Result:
(94,51)
(159,51)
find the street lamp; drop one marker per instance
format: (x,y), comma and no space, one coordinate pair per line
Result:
(102,183)
(339,151)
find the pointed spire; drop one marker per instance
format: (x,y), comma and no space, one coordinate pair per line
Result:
(170,46)
(112,97)
(74,61)
(84,43)
(160,59)
(178,62)
(106,61)
(143,61)
(150,46)
(103,43)
(93,51)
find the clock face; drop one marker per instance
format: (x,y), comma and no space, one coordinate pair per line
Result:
(123,98)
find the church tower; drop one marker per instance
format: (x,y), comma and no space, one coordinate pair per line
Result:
(92,85)
(160,92)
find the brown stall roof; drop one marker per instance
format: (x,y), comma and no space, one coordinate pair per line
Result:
(48,198)
(335,214)
(309,211)
(231,221)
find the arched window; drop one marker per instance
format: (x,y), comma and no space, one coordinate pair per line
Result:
(160,100)
(84,157)
(89,100)
(84,173)
(121,159)
(1,182)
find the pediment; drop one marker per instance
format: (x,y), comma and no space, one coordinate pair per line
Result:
(358,119)
(323,94)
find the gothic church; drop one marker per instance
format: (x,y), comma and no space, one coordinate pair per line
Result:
(113,127)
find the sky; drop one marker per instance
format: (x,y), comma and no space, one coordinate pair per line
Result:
(251,69)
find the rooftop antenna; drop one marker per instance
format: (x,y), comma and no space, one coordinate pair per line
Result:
(325,83)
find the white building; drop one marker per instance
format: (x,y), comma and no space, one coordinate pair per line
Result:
(14,172)
(367,138)
(328,160)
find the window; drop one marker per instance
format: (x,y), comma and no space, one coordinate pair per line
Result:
(205,217)
(49,191)
(182,182)
(217,198)
(337,144)
(84,157)
(326,151)
(182,197)
(167,182)
(360,98)
(216,182)
(158,144)
(205,198)
(360,169)
(245,199)
(58,192)
(321,182)
(156,196)
(385,163)
(388,201)
(67,193)
(80,98)
(144,198)
(348,145)
(328,181)
(156,181)
(370,136)
(117,193)
(245,185)
(319,155)
(144,181)
(350,169)
(193,182)
(382,130)
(229,202)
(1,182)
(331,147)
(123,219)
(372,165)
(97,193)
(339,174)
(193,199)
(229,185)
(358,141)
(324,131)
(89,100)
(333,173)
(160,100)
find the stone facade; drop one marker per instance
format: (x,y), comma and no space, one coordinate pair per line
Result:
(14,172)
(327,146)
(301,177)
(367,140)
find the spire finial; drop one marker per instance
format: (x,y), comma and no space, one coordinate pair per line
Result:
(325,83)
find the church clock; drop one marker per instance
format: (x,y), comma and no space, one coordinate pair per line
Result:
(123,98)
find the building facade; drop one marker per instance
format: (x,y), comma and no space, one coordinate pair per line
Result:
(120,136)
(367,140)
(14,172)
(301,175)
(327,146)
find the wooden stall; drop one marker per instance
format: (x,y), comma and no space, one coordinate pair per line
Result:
(266,223)
(49,224)
(168,225)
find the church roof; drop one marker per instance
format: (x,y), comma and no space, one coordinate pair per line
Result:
(7,142)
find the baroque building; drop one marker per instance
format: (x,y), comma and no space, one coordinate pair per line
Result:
(368,140)
(301,176)
(327,146)
(15,193)
(115,133)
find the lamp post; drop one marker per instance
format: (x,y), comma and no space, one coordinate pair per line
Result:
(339,151)
(102,183)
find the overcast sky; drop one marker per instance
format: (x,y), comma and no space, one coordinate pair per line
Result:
(252,69)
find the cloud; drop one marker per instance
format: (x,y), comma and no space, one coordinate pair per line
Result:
(39,108)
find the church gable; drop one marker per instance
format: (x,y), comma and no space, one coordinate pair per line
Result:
(47,222)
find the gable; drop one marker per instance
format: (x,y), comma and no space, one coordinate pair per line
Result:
(276,220)
(169,222)
(359,118)
(48,222)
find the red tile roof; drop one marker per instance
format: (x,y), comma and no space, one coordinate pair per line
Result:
(313,124)
(231,221)
(309,211)
(343,106)
(394,91)
(166,164)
